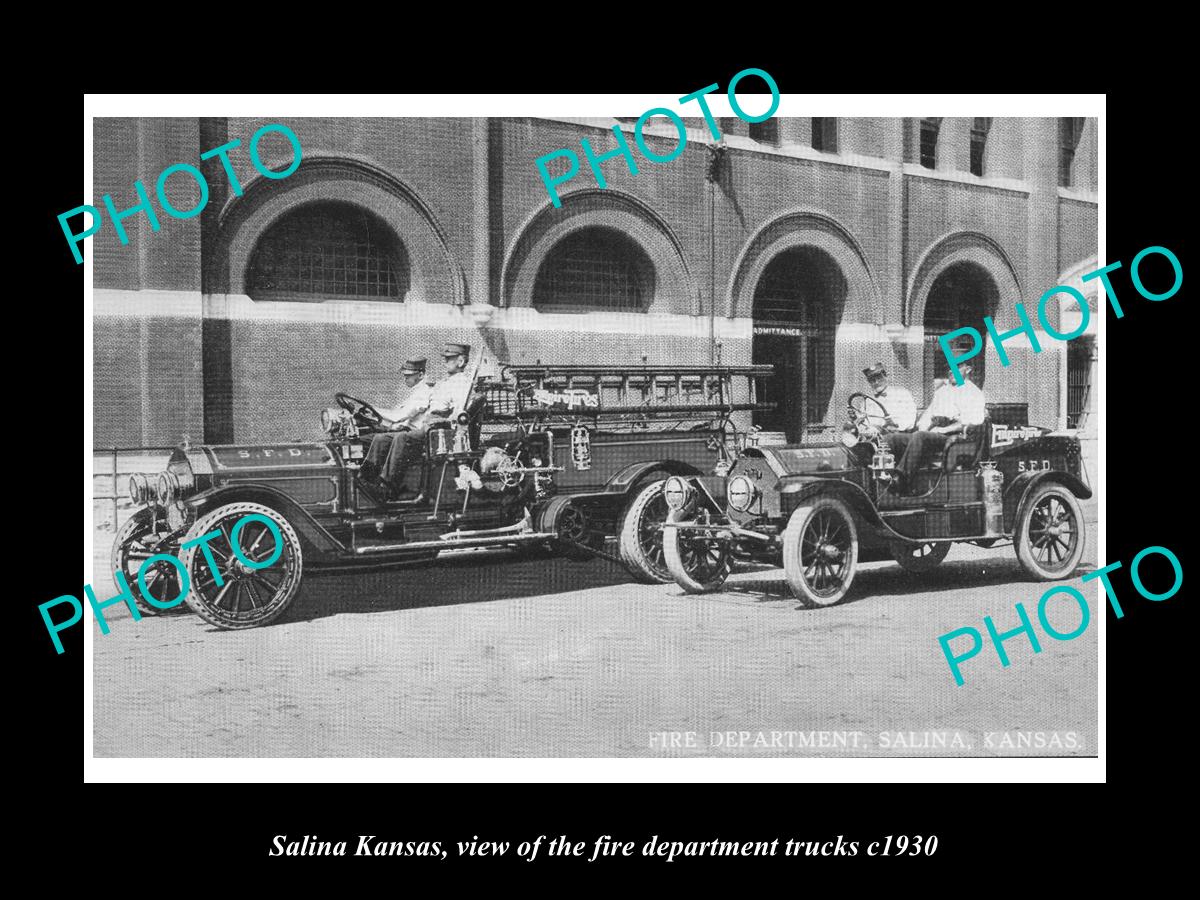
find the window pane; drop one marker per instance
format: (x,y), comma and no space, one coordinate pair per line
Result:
(929,137)
(595,269)
(979,134)
(765,132)
(1069,131)
(1079,369)
(329,250)
(824,135)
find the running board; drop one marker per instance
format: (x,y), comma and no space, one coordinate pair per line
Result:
(493,540)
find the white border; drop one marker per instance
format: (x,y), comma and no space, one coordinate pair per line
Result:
(89,773)
(801,769)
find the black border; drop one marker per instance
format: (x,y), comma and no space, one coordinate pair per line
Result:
(1150,474)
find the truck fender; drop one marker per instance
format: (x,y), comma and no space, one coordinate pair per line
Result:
(851,494)
(310,531)
(626,479)
(1018,490)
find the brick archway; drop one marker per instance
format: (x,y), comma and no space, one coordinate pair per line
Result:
(435,275)
(960,247)
(801,229)
(675,291)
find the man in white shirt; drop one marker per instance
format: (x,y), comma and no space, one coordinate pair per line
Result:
(899,403)
(402,416)
(953,409)
(901,412)
(419,393)
(447,398)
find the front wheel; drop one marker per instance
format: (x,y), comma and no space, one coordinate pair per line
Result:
(699,561)
(237,594)
(919,558)
(820,552)
(641,541)
(1050,533)
(136,541)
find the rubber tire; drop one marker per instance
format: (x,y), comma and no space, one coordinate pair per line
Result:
(918,565)
(1021,534)
(207,523)
(675,565)
(629,539)
(548,520)
(133,526)
(792,567)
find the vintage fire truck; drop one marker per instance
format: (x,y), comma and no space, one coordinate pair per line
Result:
(818,509)
(553,459)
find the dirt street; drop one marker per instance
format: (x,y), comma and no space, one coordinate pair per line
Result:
(498,658)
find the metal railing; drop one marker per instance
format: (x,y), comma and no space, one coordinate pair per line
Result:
(113,455)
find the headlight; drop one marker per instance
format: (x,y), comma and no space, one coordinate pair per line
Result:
(139,488)
(677,493)
(168,488)
(741,493)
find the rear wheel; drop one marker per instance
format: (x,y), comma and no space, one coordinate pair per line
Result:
(699,561)
(239,595)
(919,558)
(569,524)
(641,540)
(820,552)
(1050,533)
(136,541)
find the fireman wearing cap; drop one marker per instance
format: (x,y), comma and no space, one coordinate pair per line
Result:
(899,403)
(953,410)
(900,406)
(420,390)
(446,399)
(449,396)
(410,408)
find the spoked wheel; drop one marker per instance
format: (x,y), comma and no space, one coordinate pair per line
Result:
(919,558)
(820,552)
(1050,533)
(136,541)
(569,523)
(641,540)
(699,561)
(243,596)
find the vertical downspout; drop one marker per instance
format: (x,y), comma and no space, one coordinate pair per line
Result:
(712,272)
(717,153)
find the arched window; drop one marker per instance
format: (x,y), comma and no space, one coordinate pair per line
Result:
(328,250)
(596,268)
(1069,132)
(979,134)
(929,138)
(961,295)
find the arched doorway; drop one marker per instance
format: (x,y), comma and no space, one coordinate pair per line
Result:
(798,304)
(961,295)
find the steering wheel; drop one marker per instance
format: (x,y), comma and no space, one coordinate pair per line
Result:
(860,412)
(360,409)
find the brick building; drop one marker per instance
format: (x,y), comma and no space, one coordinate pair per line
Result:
(818,245)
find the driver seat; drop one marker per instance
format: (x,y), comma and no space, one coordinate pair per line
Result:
(960,454)
(963,451)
